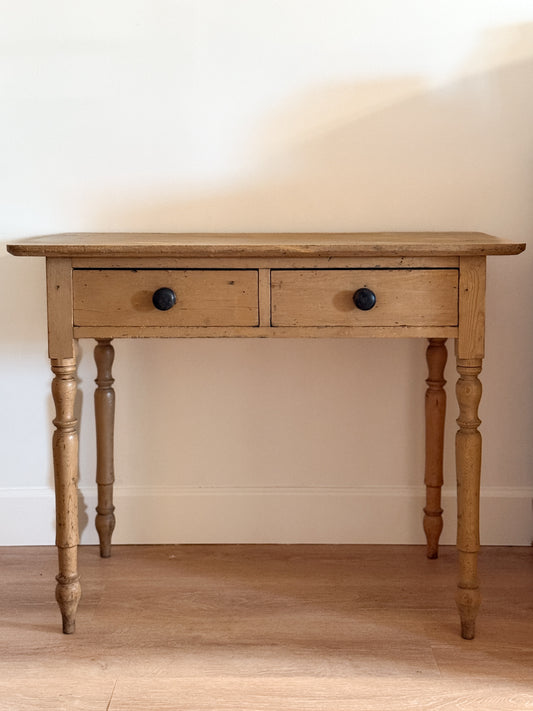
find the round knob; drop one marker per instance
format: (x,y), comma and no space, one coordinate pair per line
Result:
(364,299)
(164,298)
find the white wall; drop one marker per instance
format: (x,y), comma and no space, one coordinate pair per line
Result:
(266,115)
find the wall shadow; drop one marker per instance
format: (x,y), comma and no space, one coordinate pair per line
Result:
(403,153)
(386,155)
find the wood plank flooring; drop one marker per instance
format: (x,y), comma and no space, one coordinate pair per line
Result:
(257,628)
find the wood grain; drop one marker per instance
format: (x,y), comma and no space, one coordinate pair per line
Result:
(117,303)
(404,297)
(265,332)
(65,456)
(471,341)
(404,244)
(205,297)
(266,627)
(435,411)
(59,306)
(264,298)
(104,411)
(468,467)
(281,694)
(258,262)
(57,693)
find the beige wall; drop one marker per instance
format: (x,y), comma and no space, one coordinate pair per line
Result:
(262,115)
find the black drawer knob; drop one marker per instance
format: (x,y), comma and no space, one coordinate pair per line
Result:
(164,298)
(364,299)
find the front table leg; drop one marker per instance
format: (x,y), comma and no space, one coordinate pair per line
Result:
(468,463)
(104,407)
(65,454)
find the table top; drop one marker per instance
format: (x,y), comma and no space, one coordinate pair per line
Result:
(324,244)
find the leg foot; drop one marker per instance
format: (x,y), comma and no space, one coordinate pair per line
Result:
(432,528)
(468,602)
(68,594)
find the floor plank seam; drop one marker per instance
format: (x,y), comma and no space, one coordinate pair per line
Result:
(112,694)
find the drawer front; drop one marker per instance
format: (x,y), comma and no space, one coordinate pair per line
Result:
(404,297)
(204,297)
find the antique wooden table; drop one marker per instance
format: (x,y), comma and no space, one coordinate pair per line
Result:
(423,285)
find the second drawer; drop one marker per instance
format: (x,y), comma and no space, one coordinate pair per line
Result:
(403,297)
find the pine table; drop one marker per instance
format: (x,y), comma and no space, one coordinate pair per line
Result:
(378,285)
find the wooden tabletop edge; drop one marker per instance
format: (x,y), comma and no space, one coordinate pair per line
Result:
(264,244)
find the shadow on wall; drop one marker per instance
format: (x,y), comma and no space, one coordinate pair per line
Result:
(387,155)
(384,155)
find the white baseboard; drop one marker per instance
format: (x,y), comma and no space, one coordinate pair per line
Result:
(360,514)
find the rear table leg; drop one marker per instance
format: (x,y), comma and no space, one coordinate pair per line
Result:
(436,355)
(104,407)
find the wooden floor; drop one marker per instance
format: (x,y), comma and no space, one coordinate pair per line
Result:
(306,628)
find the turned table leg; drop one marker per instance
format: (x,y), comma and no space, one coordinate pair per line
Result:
(468,462)
(65,454)
(104,407)
(436,356)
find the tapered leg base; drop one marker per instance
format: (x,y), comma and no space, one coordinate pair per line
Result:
(105,525)
(68,595)
(433,525)
(468,602)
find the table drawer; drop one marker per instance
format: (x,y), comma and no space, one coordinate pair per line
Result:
(203,297)
(403,297)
